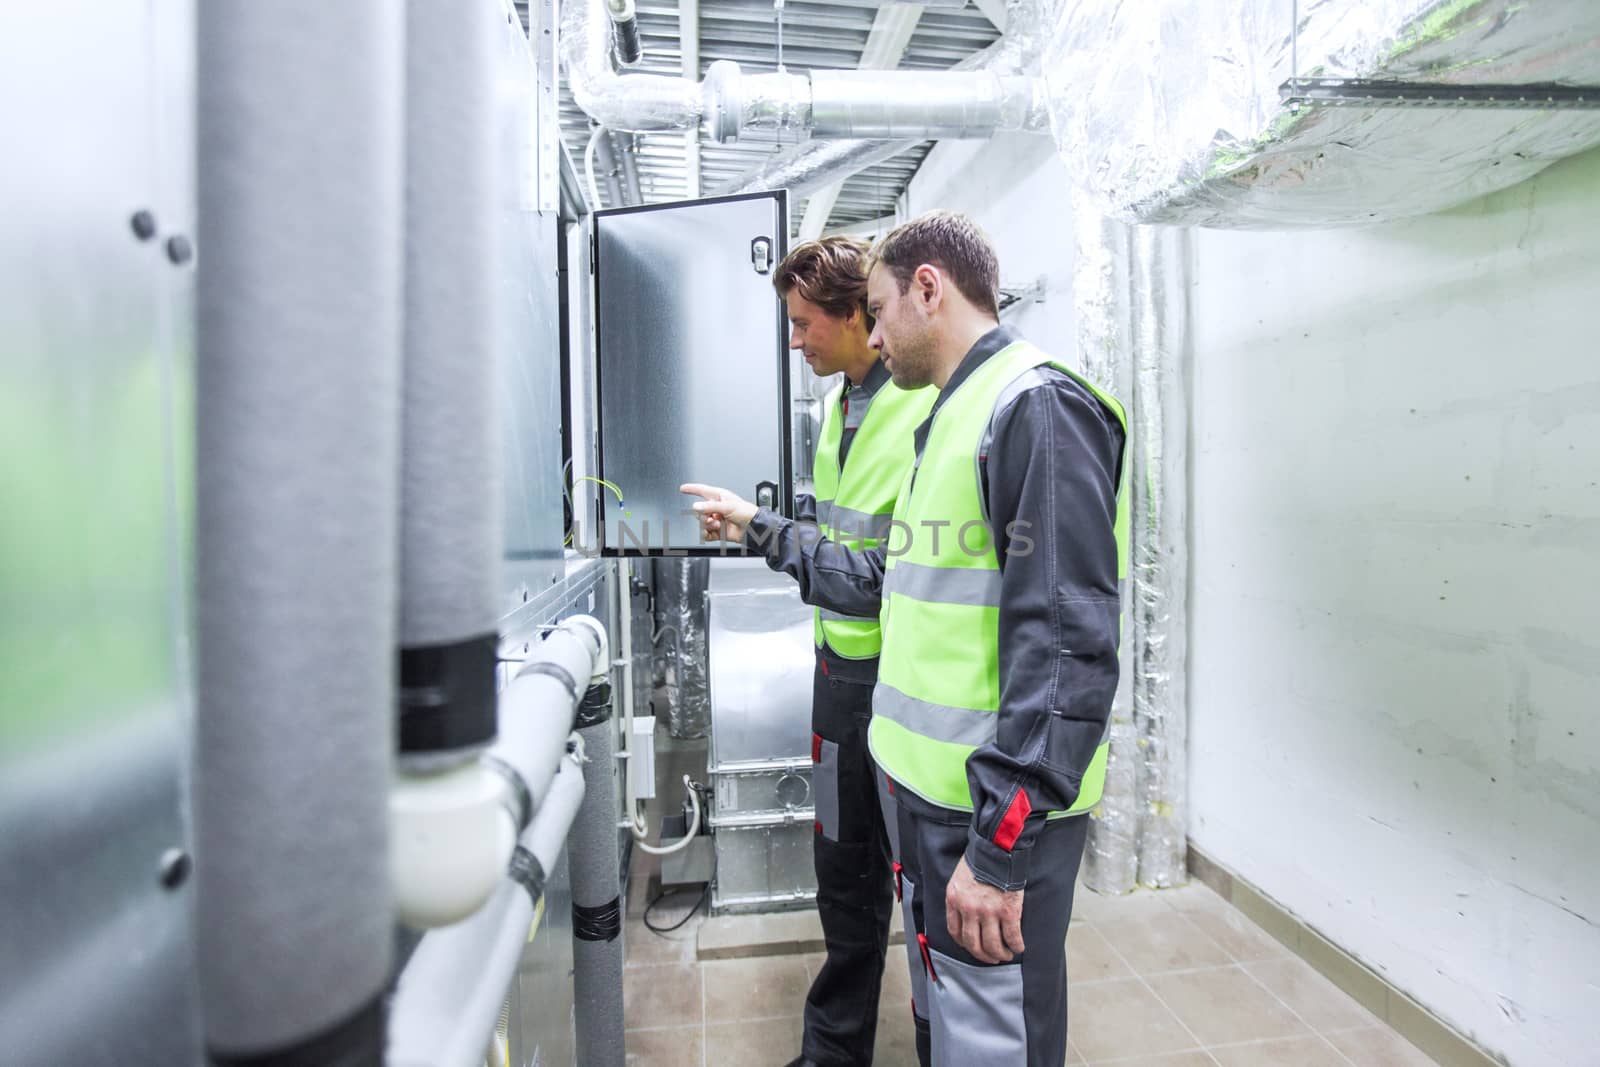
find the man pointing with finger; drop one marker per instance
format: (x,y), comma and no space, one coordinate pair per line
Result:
(998,597)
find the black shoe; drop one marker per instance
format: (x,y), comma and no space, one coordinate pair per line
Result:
(802,1062)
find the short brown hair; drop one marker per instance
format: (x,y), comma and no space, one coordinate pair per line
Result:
(953,243)
(831,272)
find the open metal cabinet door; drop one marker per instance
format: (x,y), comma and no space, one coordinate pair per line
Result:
(691,383)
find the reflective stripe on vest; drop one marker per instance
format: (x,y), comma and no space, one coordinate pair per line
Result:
(855,505)
(938,692)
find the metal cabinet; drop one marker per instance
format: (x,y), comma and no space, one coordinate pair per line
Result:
(692,382)
(761,663)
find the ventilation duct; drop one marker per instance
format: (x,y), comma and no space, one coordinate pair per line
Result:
(974,102)
(1171,113)
(819,163)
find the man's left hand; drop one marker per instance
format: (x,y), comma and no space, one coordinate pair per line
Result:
(985,921)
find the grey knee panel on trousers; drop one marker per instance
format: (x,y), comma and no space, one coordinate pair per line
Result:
(1006,1015)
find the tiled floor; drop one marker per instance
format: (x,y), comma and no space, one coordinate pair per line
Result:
(1171,979)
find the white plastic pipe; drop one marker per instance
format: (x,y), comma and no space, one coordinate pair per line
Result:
(447,1001)
(452,832)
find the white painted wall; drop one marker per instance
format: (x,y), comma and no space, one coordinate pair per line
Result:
(1395,628)
(1395,618)
(1015,186)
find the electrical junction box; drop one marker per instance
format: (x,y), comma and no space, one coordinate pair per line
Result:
(642,757)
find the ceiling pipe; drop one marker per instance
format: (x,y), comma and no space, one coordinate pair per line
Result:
(689,45)
(607,171)
(975,102)
(818,164)
(625,32)
(622,149)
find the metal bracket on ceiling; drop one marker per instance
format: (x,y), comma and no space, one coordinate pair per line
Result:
(1364,92)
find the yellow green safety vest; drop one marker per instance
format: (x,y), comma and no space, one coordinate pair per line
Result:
(854,506)
(938,689)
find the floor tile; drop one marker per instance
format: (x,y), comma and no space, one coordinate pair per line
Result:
(1378,1046)
(896,979)
(1110,1019)
(645,948)
(1090,957)
(1240,938)
(763,1043)
(1320,1003)
(763,988)
(639,893)
(1308,1051)
(815,960)
(1225,1005)
(1194,1058)
(1161,942)
(1194,896)
(661,996)
(897,1036)
(1074,1057)
(781,933)
(1089,906)
(681,1047)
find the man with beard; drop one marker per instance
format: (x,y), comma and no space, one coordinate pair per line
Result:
(999,598)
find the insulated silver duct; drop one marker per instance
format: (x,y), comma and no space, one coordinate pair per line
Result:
(817,164)
(1130,296)
(976,103)
(680,639)
(298,333)
(887,104)
(1101,298)
(616,101)
(1159,564)
(1171,112)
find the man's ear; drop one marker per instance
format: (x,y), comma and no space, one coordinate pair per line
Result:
(929,285)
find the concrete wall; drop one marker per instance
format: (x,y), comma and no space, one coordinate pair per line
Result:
(1015,186)
(1395,619)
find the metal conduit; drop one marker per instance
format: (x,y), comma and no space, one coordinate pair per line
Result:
(825,104)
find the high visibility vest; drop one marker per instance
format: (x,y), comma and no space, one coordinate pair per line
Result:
(854,505)
(938,691)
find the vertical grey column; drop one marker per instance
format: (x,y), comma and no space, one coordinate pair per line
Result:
(299,107)
(451,528)
(596,890)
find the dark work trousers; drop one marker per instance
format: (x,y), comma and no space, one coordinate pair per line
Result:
(855,892)
(1006,1015)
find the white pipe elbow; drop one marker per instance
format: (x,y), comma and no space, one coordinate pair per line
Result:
(602,657)
(452,835)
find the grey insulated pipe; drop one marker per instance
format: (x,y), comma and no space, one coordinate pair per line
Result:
(298,336)
(596,890)
(451,528)
(625,32)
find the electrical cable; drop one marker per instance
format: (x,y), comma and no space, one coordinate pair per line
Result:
(641,829)
(705,892)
